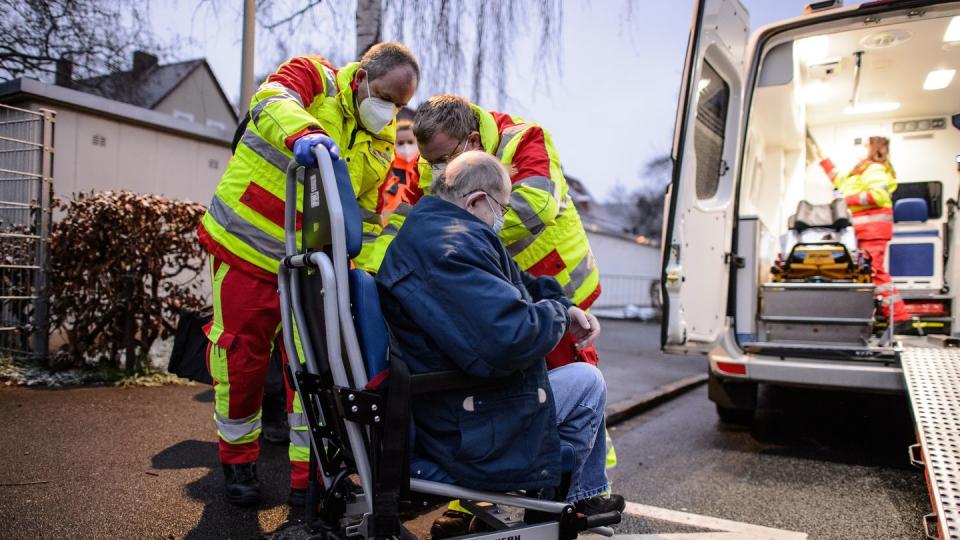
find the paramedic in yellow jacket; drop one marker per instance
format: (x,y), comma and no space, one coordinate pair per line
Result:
(867,190)
(306,102)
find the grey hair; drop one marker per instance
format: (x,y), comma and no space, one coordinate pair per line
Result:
(471,172)
(447,113)
(383,57)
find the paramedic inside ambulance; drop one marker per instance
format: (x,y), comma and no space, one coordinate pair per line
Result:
(867,190)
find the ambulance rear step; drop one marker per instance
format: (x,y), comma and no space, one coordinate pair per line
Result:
(932,377)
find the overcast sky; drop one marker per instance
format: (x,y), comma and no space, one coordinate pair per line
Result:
(610,110)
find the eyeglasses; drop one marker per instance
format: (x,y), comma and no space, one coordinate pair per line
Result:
(443,160)
(503,208)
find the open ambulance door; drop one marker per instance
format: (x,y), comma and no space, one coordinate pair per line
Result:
(697,248)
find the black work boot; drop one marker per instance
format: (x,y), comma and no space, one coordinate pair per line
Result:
(601,504)
(241,484)
(451,523)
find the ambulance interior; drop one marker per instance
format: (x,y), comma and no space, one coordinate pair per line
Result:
(894,79)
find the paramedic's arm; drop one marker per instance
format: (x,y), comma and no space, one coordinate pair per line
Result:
(537,185)
(830,169)
(877,193)
(485,324)
(278,109)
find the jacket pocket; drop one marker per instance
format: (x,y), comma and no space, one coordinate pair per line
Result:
(501,428)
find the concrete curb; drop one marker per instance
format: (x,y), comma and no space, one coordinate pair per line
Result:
(628,408)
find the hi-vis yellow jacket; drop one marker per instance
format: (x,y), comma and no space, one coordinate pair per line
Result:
(244,223)
(867,190)
(542,231)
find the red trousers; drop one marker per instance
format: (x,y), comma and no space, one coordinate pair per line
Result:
(886,290)
(242,334)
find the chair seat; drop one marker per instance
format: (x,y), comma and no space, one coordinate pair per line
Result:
(425,469)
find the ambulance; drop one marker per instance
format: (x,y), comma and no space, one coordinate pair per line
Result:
(750,210)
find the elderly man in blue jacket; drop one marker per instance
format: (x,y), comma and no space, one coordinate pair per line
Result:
(454,299)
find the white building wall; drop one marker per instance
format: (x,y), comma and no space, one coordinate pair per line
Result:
(132,158)
(628,270)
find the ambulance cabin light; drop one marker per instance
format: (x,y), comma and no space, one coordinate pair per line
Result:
(938,79)
(953,31)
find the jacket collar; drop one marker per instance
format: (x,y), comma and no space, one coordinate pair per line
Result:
(431,204)
(489,132)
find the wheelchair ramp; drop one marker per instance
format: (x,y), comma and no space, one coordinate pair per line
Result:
(933,386)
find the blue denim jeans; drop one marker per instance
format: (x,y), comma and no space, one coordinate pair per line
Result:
(580,396)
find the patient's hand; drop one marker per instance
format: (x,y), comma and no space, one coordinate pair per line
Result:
(584,326)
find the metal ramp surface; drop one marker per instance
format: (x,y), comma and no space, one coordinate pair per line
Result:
(933,386)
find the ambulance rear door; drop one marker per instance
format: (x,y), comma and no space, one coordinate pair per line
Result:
(697,248)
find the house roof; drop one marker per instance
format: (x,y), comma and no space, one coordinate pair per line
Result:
(148,88)
(32,90)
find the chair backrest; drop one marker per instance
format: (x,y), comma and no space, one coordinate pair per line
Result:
(834,215)
(913,209)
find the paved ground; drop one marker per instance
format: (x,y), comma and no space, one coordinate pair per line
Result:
(142,462)
(828,464)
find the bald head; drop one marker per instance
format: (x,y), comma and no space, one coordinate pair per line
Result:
(471,172)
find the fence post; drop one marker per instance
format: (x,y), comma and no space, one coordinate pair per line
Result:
(41,306)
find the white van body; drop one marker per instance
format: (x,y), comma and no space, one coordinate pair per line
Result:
(742,167)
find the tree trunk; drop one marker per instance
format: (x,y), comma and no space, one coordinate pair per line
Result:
(369,15)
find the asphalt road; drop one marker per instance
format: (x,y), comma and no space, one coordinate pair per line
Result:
(831,465)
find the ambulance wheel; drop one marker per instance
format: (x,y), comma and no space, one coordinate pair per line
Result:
(736,400)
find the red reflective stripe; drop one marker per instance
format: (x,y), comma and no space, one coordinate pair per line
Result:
(267,204)
(853,200)
(550,265)
(731,368)
(301,76)
(588,301)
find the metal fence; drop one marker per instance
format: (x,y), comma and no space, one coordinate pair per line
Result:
(26,191)
(623,291)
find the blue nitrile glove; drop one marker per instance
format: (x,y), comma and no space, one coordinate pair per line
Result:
(303,148)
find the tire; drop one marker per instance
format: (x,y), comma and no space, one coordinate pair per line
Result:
(736,401)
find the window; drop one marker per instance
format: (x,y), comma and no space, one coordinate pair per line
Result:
(213,164)
(216,125)
(99,140)
(177,113)
(711,121)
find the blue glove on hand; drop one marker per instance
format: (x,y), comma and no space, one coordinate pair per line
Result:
(303,148)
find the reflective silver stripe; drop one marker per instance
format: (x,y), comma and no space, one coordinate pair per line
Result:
(391,229)
(265,150)
(284,91)
(233,430)
(403,209)
(258,108)
(537,182)
(872,218)
(296,420)
(259,240)
(300,438)
(329,81)
(530,219)
(369,237)
(580,274)
(517,247)
(369,214)
(887,287)
(863,198)
(507,135)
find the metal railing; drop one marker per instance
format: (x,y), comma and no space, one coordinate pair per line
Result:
(624,290)
(26,192)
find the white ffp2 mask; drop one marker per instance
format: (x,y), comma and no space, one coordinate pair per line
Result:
(375,113)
